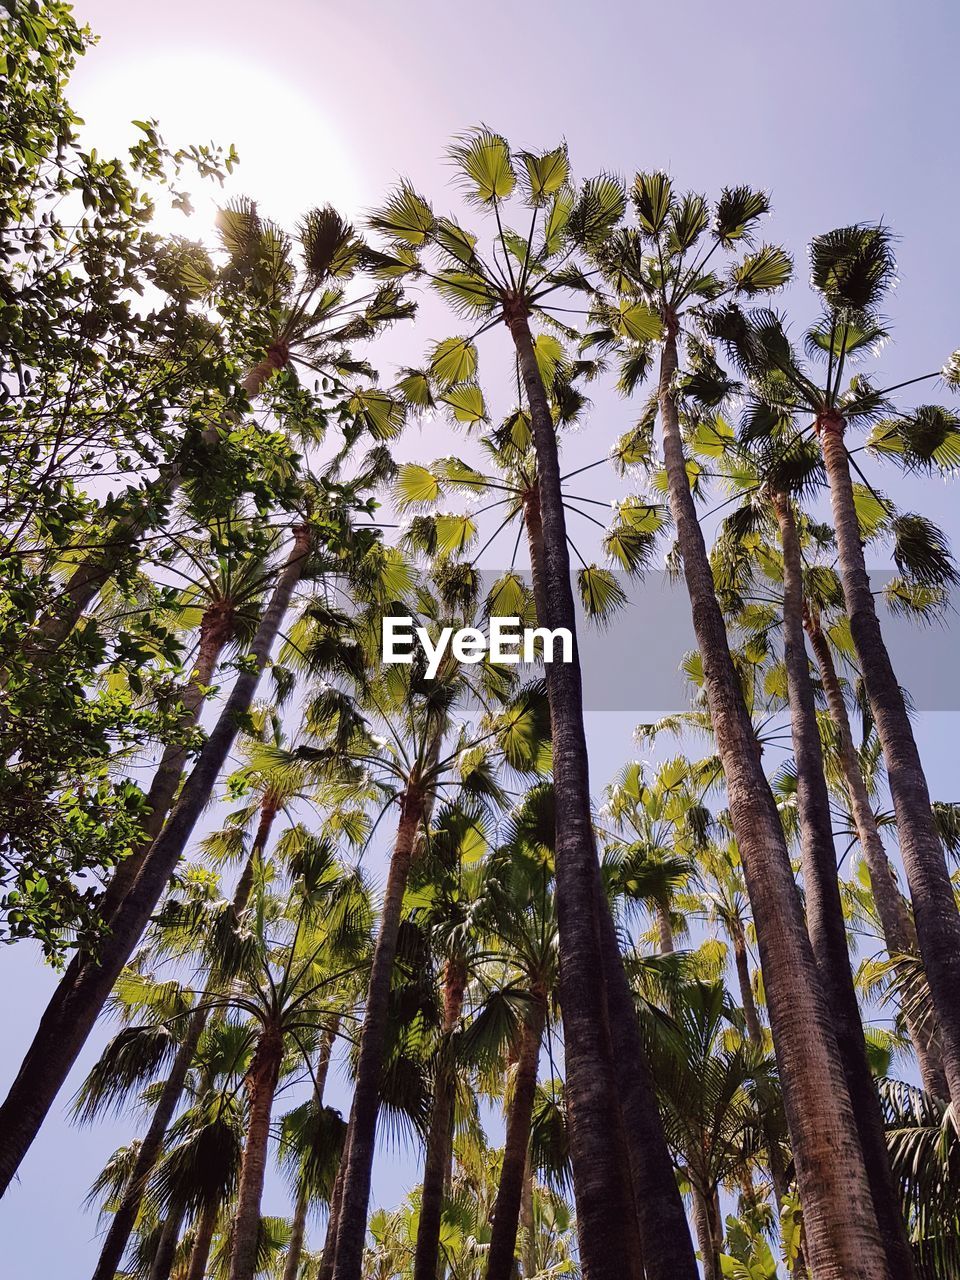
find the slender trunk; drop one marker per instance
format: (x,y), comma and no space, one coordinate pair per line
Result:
(899,934)
(750,1015)
(706,1240)
(602,1200)
(202,1242)
(506,1211)
(528,1226)
(216,629)
(81,994)
(825,922)
(830,1176)
(96,569)
(298,1231)
(661,1242)
(352,1224)
(934,905)
(665,929)
(261,1085)
(333,1221)
(291,1267)
(439,1151)
(751,1018)
(166,1250)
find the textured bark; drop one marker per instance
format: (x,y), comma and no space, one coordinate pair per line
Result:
(842,1226)
(96,569)
(81,994)
(665,929)
(166,1251)
(506,1210)
(528,1227)
(352,1224)
(934,906)
(602,1199)
(704,1221)
(656,1235)
(216,628)
(439,1150)
(202,1242)
(824,909)
(291,1266)
(896,922)
(261,1087)
(329,1254)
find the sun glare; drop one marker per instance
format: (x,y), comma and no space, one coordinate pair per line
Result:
(290,152)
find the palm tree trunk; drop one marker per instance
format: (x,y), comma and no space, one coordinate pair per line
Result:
(216,628)
(439,1151)
(506,1211)
(329,1254)
(166,1251)
(528,1226)
(661,1241)
(831,1179)
(934,906)
(596,1128)
(825,922)
(703,1222)
(202,1242)
(291,1266)
(352,1223)
(81,994)
(899,934)
(96,570)
(261,1085)
(665,929)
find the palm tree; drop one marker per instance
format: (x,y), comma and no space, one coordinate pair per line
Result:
(512,284)
(824,909)
(662,276)
(411,767)
(852,269)
(281,314)
(706,1089)
(71,1013)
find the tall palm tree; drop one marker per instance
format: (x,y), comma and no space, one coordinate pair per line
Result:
(824,909)
(410,767)
(508,286)
(662,274)
(71,1013)
(852,269)
(280,313)
(706,1088)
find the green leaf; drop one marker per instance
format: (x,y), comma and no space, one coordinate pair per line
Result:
(406,218)
(416,486)
(467,404)
(766,270)
(737,210)
(414,386)
(638,321)
(453,360)
(549,353)
(600,592)
(597,210)
(653,200)
(454,533)
(467,292)
(484,160)
(546,173)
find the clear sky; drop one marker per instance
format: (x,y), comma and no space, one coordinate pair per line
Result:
(845,111)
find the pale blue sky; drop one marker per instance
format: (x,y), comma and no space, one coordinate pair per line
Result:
(845,111)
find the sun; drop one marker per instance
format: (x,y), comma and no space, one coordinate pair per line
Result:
(291,152)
